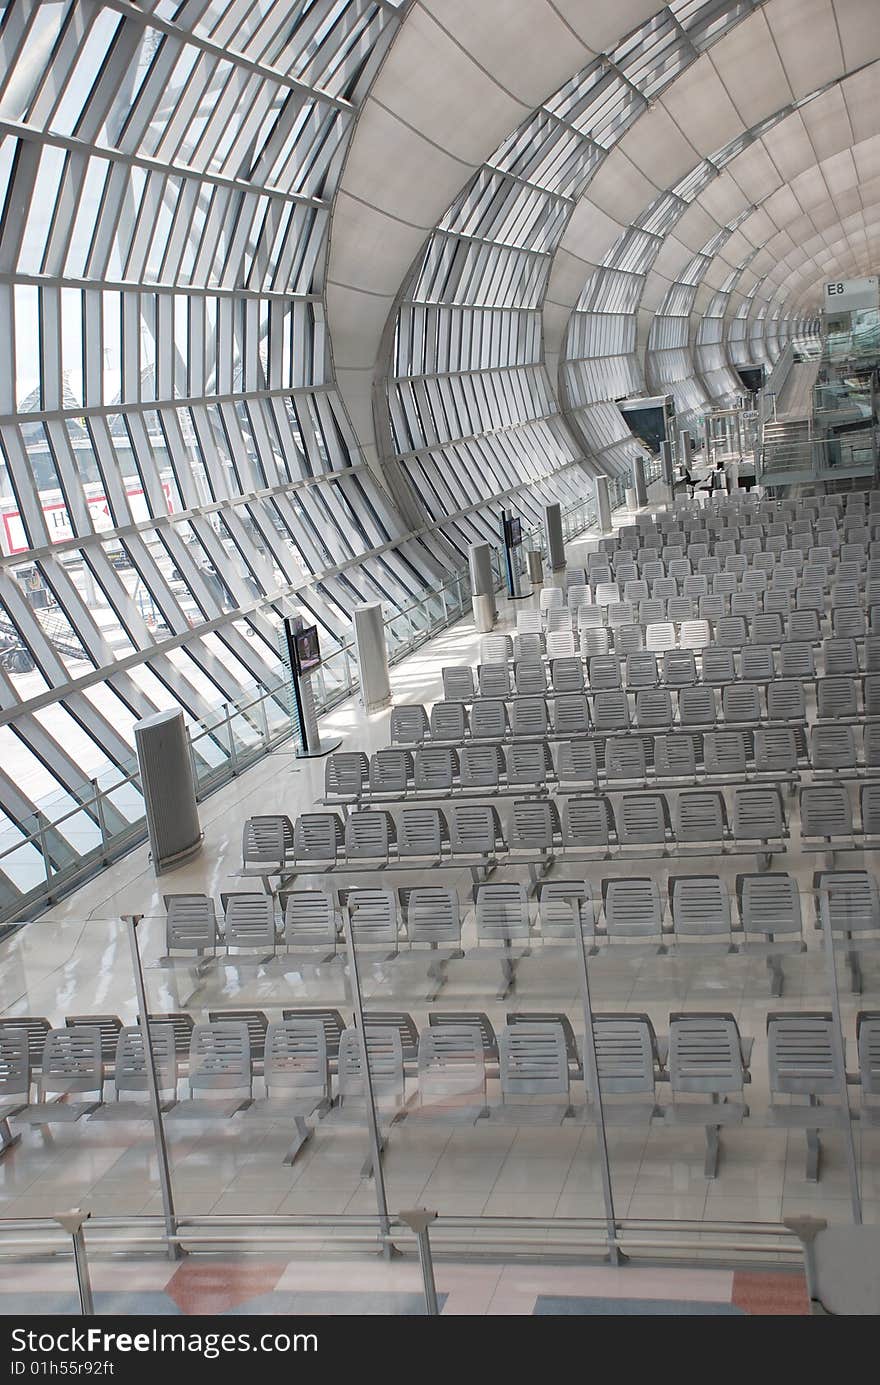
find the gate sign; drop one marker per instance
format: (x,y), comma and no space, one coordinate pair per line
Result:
(842,295)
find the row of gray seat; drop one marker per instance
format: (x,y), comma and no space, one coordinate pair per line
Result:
(676,759)
(612,708)
(705,1061)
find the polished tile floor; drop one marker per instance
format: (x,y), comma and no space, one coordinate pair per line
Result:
(278,1287)
(76,960)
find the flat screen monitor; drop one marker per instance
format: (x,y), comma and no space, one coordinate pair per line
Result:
(308,651)
(513,532)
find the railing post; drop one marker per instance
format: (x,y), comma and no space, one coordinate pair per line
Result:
(418,1220)
(233,755)
(165,1186)
(72,1222)
(44,848)
(102,822)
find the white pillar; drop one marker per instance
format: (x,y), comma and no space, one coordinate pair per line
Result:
(482,586)
(553,534)
(372,655)
(639,484)
(603,505)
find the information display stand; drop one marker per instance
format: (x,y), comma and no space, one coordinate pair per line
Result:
(304,656)
(511,531)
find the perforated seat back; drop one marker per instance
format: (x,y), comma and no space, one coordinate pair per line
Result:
(384,1048)
(770,903)
(433,915)
(368,835)
(130,1064)
(296,1058)
(220,1059)
(373,915)
(494,681)
(571,715)
(190,922)
(533,1061)
(633,909)
(502,913)
(528,716)
(757,814)
(826,811)
(347,772)
(480,766)
(309,918)
(409,724)
(423,832)
(458,683)
(801,1054)
(642,819)
(390,771)
(249,921)
(488,719)
(705,1054)
(699,816)
(587,822)
(435,769)
(700,906)
(267,840)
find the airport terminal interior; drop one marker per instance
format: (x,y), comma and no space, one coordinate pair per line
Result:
(439,656)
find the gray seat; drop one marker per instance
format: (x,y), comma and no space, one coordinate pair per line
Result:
(705,1060)
(626,1069)
(219,1066)
(625,758)
(785,701)
(488,719)
(771,918)
(724,753)
(756,663)
(571,714)
(131,1083)
(776,751)
(633,911)
(317,838)
(384,1049)
(730,632)
(249,924)
(697,706)
(832,748)
(563,905)
(311,922)
(190,924)
(803,1061)
(346,775)
(480,766)
(587,824)
(458,683)
(641,670)
(567,675)
(796,660)
(741,702)
(643,820)
(840,657)
(576,763)
(374,923)
(530,680)
(268,845)
(837,698)
(451,1075)
(674,757)
(423,833)
(409,725)
(604,672)
(700,817)
(758,818)
(71,1064)
(296,1073)
(701,909)
(391,772)
(494,680)
(528,717)
(448,721)
(594,640)
(826,813)
(435,768)
(679,668)
(653,707)
(528,763)
(533,1064)
(368,837)
(717,666)
(611,711)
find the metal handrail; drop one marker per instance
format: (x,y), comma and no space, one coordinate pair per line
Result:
(63,868)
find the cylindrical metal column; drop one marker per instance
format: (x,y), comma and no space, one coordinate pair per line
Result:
(372,655)
(639,484)
(535,562)
(553,534)
(685,449)
(603,505)
(482,586)
(666,462)
(72,1222)
(169,789)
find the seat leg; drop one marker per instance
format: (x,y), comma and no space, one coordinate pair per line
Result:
(814,1151)
(437,978)
(777,976)
(508,978)
(853,961)
(713,1149)
(7,1139)
(367,1166)
(303,1134)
